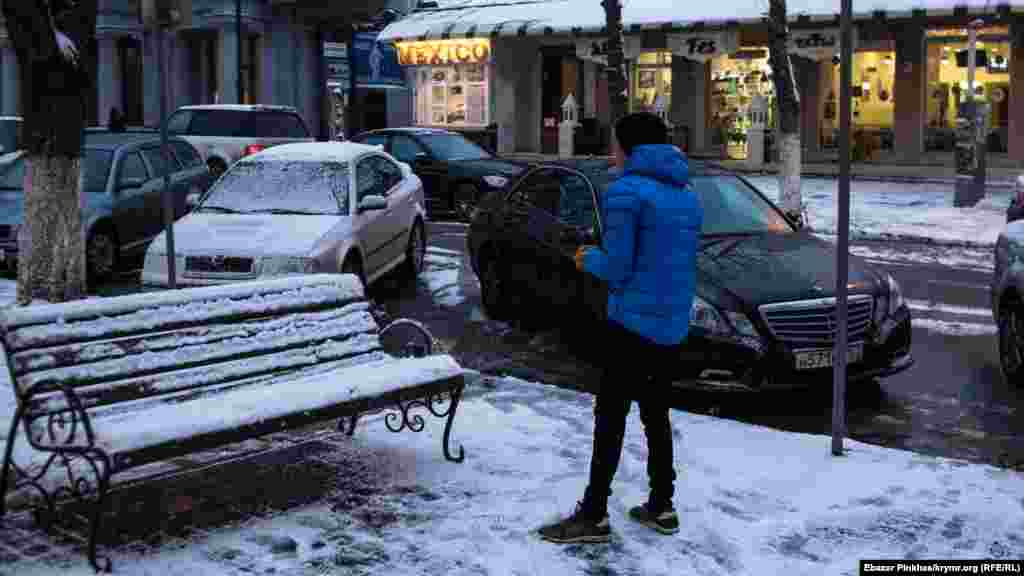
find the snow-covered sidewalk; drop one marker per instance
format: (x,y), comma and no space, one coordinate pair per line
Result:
(752,501)
(898,210)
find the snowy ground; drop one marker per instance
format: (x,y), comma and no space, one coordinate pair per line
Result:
(900,210)
(752,500)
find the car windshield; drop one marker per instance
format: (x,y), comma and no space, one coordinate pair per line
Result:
(731,206)
(95,169)
(453,147)
(10,135)
(283,187)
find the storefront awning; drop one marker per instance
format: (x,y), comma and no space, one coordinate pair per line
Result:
(488,18)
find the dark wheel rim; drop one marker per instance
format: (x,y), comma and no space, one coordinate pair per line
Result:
(216,169)
(465,201)
(100,255)
(417,249)
(491,288)
(1011,338)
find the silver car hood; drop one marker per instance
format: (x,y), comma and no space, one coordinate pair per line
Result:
(252,234)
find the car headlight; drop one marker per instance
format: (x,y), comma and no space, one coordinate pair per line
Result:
(703,315)
(742,324)
(895,296)
(282,265)
(496,181)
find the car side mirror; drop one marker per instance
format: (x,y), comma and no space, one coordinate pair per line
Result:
(192,200)
(129,183)
(372,202)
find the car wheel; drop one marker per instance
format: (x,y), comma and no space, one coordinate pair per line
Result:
(493,291)
(100,256)
(217,167)
(416,251)
(1011,340)
(353,265)
(464,201)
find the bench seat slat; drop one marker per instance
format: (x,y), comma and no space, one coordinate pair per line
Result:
(265,342)
(25,330)
(136,430)
(78,354)
(166,384)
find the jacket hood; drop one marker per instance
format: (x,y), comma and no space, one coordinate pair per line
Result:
(663,162)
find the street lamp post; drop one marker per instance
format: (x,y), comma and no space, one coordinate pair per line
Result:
(238,49)
(842,229)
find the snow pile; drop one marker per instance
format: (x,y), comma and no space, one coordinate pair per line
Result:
(443,274)
(900,210)
(752,500)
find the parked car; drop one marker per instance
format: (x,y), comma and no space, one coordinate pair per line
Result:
(765,310)
(223,133)
(1008,300)
(10,133)
(456,172)
(122,181)
(1016,208)
(298,209)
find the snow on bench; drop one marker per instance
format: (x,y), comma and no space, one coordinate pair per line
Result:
(110,384)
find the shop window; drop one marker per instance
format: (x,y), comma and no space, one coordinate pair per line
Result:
(453,95)
(652,82)
(736,81)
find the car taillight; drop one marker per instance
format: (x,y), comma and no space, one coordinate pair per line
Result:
(253,149)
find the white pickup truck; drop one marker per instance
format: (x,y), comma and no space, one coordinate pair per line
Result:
(223,133)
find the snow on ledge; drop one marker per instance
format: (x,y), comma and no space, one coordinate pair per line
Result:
(345,286)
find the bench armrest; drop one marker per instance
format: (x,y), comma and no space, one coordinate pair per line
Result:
(65,429)
(406,337)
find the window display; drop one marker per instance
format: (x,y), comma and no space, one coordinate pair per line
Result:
(735,80)
(452,95)
(652,82)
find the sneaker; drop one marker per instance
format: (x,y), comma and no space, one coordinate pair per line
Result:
(666,521)
(577,529)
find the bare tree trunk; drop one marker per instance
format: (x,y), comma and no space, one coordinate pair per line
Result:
(51,39)
(615,72)
(787,98)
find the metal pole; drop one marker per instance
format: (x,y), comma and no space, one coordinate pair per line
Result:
(354,104)
(172,275)
(238,48)
(842,229)
(972,55)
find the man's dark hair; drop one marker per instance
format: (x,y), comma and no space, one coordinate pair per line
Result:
(638,129)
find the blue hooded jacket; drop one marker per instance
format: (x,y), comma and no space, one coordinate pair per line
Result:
(651,220)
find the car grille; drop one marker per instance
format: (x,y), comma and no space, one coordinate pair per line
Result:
(6,232)
(201,265)
(809,323)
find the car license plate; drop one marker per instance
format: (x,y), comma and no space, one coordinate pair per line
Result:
(822,358)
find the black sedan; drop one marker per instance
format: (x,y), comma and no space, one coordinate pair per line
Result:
(764,315)
(456,172)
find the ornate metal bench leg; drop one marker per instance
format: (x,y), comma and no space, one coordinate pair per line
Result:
(351,424)
(456,395)
(8,464)
(99,563)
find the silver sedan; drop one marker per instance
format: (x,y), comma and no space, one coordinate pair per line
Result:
(300,209)
(1008,300)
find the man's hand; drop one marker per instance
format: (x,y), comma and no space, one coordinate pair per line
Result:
(581,253)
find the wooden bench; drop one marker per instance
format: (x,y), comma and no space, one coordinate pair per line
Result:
(109,384)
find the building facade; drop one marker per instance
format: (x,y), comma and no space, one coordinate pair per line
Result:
(508,68)
(279,59)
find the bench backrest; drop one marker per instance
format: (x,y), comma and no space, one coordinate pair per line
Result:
(174,345)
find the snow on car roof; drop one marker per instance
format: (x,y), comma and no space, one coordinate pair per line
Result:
(312,152)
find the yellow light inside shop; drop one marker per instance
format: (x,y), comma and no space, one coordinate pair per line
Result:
(444,52)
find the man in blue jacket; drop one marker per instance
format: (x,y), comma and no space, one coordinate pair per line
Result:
(652,221)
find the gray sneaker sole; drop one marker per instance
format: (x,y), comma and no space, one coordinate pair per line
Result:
(654,525)
(593,539)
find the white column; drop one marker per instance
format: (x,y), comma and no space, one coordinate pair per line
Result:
(271,35)
(108,81)
(507,73)
(9,82)
(590,73)
(150,81)
(228,64)
(181,93)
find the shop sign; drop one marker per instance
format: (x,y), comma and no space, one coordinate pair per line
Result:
(815,44)
(596,49)
(444,52)
(703,46)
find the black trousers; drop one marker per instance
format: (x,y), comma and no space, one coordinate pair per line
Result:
(634,368)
